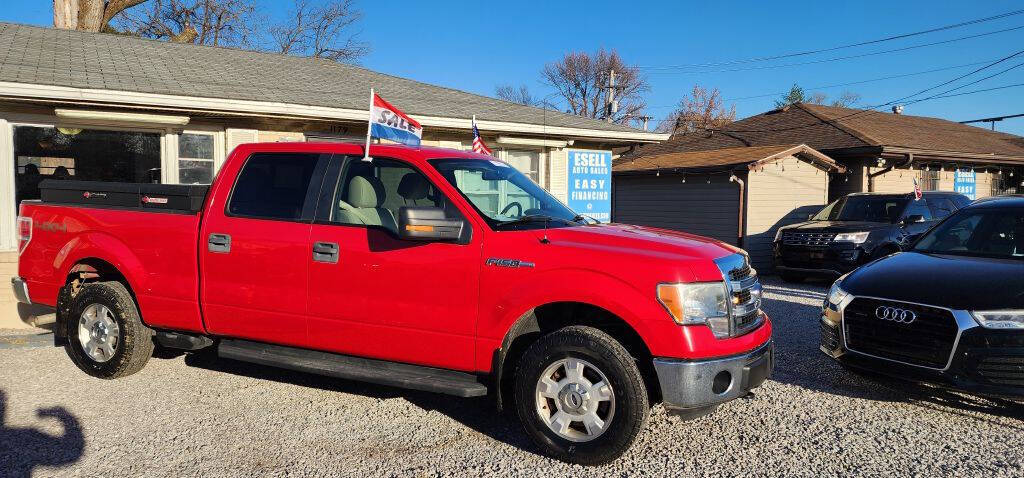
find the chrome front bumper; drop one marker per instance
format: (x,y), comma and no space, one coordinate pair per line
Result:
(20,290)
(700,385)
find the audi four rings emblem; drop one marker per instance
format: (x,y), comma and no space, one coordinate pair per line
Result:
(901,316)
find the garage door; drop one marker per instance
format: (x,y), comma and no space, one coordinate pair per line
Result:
(667,202)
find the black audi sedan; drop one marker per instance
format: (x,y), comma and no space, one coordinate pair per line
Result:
(949,311)
(856,229)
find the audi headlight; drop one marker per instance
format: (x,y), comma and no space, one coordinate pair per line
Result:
(697,303)
(1000,319)
(854,237)
(836,294)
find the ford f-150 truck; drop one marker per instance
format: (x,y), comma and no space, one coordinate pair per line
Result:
(423,268)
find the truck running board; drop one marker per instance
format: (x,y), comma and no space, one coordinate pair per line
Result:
(415,377)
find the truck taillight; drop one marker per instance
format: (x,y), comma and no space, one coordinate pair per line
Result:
(24,232)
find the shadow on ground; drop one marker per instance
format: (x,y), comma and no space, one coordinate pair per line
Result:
(479,414)
(800,362)
(24,449)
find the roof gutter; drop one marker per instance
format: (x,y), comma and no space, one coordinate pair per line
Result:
(137,100)
(954,156)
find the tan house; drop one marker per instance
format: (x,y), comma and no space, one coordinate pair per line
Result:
(871,152)
(105,107)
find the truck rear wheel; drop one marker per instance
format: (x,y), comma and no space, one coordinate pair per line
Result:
(580,396)
(105,334)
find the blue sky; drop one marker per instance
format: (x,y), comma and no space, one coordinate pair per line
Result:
(475,46)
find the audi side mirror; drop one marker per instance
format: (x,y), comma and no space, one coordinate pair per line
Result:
(427,223)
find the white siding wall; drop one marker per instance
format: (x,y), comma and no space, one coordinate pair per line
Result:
(559,163)
(783,193)
(7,206)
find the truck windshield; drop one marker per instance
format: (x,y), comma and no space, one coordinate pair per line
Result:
(863,208)
(505,197)
(988,233)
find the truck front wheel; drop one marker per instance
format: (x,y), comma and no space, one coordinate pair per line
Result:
(580,396)
(105,335)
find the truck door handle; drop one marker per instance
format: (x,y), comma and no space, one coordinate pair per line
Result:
(219,243)
(325,252)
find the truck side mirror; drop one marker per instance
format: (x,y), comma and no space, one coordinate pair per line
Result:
(428,223)
(912,219)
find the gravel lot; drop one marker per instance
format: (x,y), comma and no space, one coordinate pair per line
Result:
(197,416)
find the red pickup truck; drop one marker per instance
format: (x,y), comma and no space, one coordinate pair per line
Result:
(423,268)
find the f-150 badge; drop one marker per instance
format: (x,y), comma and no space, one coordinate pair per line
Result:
(493,261)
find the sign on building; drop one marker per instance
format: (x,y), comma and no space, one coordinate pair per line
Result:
(964,183)
(590,183)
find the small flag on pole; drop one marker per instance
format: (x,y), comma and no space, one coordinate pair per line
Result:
(478,144)
(390,123)
(917,190)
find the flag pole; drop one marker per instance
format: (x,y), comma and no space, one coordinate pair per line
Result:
(369,128)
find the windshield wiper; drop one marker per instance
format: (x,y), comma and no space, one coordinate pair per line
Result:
(535,218)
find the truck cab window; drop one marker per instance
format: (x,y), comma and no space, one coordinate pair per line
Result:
(273,186)
(371,193)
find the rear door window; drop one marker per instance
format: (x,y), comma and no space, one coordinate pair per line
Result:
(277,186)
(941,207)
(919,207)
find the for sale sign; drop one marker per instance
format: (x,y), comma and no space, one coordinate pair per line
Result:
(590,183)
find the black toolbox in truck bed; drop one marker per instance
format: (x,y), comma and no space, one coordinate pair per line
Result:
(143,196)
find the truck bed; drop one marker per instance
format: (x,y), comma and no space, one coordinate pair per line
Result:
(152,242)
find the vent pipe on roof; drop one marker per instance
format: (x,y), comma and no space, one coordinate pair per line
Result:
(897,109)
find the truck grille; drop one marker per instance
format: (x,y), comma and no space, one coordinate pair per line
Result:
(792,238)
(926,342)
(745,289)
(1002,370)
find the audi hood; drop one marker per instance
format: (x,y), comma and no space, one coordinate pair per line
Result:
(956,282)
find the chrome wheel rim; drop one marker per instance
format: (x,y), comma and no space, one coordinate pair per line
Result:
(575,400)
(98,333)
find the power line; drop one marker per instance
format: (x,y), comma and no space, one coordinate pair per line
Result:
(840,47)
(994,118)
(667,70)
(870,109)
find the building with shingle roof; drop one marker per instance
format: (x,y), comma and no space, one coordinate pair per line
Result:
(109,107)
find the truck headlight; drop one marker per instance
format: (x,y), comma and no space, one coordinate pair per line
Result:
(1000,319)
(697,303)
(854,237)
(836,294)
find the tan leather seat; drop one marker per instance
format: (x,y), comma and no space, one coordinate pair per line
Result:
(362,204)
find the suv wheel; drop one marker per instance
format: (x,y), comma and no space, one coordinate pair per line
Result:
(580,396)
(105,335)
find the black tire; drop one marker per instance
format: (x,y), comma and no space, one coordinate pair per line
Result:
(631,407)
(135,340)
(792,277)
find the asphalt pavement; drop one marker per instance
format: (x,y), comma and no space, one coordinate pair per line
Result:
(196,415)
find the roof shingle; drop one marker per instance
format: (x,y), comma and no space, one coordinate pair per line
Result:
(76,59)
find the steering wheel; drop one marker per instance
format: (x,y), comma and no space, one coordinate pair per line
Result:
(517,205)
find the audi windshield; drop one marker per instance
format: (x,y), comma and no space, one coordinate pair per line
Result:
(505,197)
(980,232)
(863,208)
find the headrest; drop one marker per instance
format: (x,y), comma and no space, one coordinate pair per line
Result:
(413,186)
(365,192)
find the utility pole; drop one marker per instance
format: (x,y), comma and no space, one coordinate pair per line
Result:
(610,105)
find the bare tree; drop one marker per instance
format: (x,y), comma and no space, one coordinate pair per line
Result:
(519,95)
(847,99)
(702,109)
(88,15)
(320,31)
(816,98)
(203,22)
(580,79)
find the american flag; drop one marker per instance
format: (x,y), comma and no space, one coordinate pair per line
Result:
(478,144)
(917,190)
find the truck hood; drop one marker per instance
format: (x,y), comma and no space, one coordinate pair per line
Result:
(957,282)
(641,240)
(836,226)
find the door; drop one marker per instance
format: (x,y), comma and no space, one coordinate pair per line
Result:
(255,253)
(375,295)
